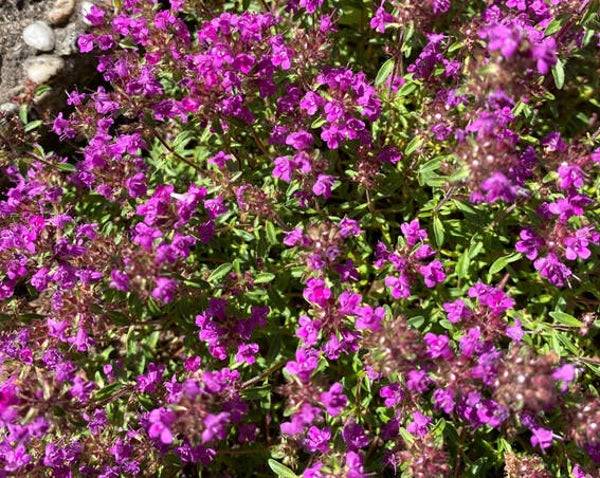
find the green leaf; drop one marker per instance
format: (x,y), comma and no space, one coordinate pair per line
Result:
(565,319)
(407,88)
(413,145)
(384,72)
(245,235)
(23,113)
(264,278)
(108,391)
(455,46)
(282,471)
(66,168)
(256,393)
(271,233)
(119,318)
(503,261)
(475,249)
(431,165)
(33,125)
(320,121)
(416,321)
(462,266)
(438,231)
(220,272)
(555,25)
(558,72)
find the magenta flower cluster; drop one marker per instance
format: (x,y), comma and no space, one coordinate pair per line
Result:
(291,239)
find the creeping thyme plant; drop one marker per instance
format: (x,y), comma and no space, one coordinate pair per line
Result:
(317,238)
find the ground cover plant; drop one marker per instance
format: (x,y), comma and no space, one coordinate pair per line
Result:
(309,238)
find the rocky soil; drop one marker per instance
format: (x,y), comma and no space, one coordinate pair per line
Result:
(38,46)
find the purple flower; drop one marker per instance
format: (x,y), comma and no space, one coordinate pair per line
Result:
(492,298)
(441,131)
(311,102)
(215,426)
(354,435)
(300,140)
(554,142)
(349,303)
(503,38)
(437,346)
(577,246)
(147,383)
(541,437)
(570,176)
(418,381)
(313,471)
(440,6)
(246,353)
(97,422)
(349,227)
(308,330)
(566,208)
(119,280)
(81,389)
(159,422)
(15,458)
(219,159)
(413,233)
(215,207)
(304,365)
(469,342)
(164,289)
(515,332)
(579,472)
(424,252)
(498,186)
(295,238)
(369,318)
(529,244)
(566,374)
(418,426)
(381,19)
(553,269)
(486,369)
(206,231)
(392,394)
(317,439)
(433,273)
(316,292)
(544,52)
(95,16)
(323,185)
(457,311)
(444,400)
(334,399)
(86,43)
(400,286)
(354,464)
(492,414)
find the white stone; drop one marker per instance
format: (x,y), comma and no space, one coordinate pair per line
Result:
(9,108)
(60,11)
(39,36)
(40,69)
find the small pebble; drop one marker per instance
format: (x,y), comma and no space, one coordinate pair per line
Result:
(61,11)
(9,108)
(39,36)
(40,69)
(66,39)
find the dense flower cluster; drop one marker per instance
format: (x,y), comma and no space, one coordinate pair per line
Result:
(255,248)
